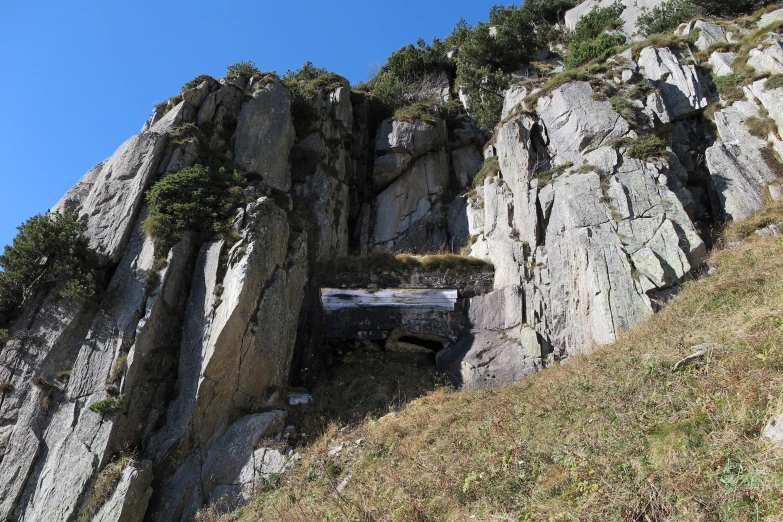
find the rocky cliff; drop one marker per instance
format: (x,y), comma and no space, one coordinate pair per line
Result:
(598,198)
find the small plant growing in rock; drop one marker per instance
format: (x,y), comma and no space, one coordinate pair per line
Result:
(108,405)
(489,170)
(418,111)
(105,485)
(761,127)
(730,87)
(644,148)
(6,387)
(198,80)
(246,69)
(774,82)
(119,366)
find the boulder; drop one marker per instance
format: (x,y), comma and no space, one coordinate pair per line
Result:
(773,17)
(680,85)
(467,162)
(721,63)
(576,123)
(265,135)
(769,58)
(709,34)
(513,98)
(771,100)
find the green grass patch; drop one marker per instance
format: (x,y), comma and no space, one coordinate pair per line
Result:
(774,82)
(421,111)
(108,405)
(489,170)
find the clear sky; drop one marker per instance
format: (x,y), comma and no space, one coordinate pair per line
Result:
(81,76)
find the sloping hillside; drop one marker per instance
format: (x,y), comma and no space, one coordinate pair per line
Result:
(613,435)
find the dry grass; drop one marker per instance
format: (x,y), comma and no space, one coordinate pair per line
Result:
(383,260)
(117,368)
(614,435)
(104,486)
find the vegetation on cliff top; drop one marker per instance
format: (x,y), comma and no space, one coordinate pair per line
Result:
(615,435)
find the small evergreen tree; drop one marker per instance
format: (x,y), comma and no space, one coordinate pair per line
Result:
(50,251)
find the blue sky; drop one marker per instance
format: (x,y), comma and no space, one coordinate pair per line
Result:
(80,77)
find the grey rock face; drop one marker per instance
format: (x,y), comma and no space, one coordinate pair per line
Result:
(587,249)
(401,144)
(680,85)
(771,100)
(633,10)
(109,196)
(410,204)
(513,98)
(739,173)
(578,124)
(499,347)
(709,34)
(129,501)
(265,135)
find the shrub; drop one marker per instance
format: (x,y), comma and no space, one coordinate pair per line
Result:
(417,111)
(760,127)
(304,84)
(619,104)
(774,82)
(50,251)
(247,68)
(734,7)
(645,148)
(184,132)
(598,49)
(108,405)
(197,199)
(665,17)
(730,87)
(490,169)
(198,80)
(6,387)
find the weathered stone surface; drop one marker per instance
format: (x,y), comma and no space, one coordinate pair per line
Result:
(196,96)
(499,348)
(466,161)
(769,59)
(738,171)
(230,461)
(770,18)
(328,202)
(400,136)
(265,135)
(773,431)
(576,123)
(129,501)
(220,111)
(721,63)
(236,351)
(109,196)
(680,85)
(405,210)
(513,98)
(771,100)
(709,34)
(181,113)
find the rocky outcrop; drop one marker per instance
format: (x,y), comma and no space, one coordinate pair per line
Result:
(739,171)
(576,123)
(768,58)
(680,85)
(129,501)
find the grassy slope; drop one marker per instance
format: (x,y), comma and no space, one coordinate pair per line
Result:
(614,435)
